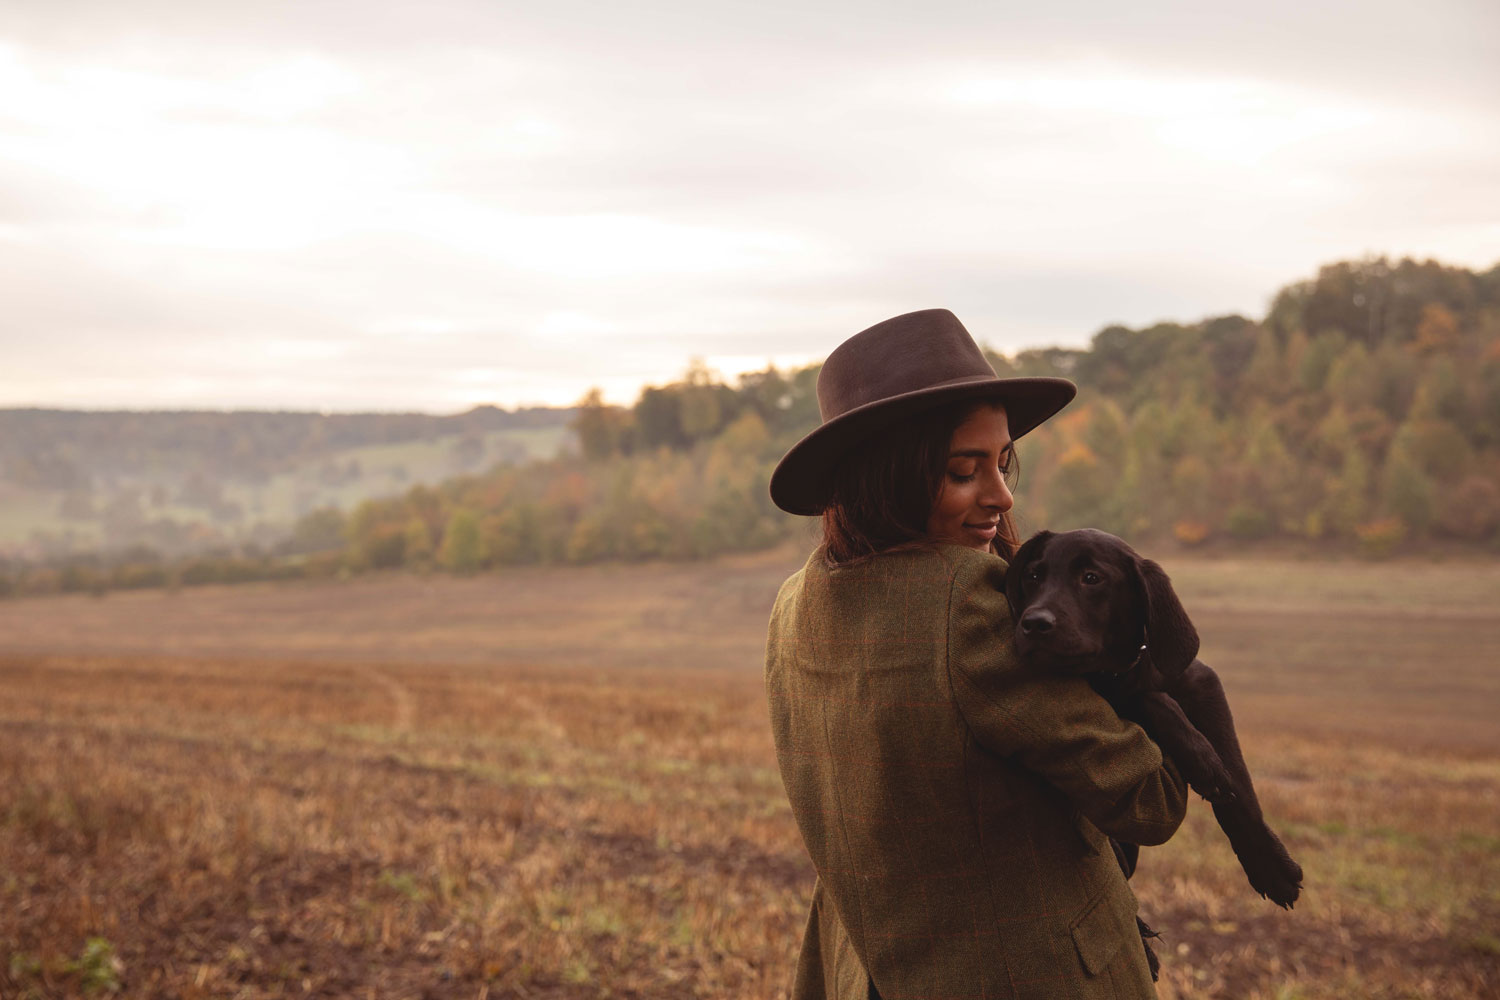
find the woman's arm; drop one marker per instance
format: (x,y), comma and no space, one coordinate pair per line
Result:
(1058,727)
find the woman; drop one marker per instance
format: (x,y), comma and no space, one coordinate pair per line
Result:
(955,805)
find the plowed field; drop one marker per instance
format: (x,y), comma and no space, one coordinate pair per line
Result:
(560,783)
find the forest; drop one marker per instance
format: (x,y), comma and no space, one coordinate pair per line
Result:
(1361,414)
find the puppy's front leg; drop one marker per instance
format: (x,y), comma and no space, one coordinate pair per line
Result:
(1266,861)
(1199,695)
(1189,749)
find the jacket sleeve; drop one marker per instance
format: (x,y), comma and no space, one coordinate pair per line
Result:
(1056,726)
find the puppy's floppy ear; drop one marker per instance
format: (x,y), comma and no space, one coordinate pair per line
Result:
(1170,636)
(1025,556)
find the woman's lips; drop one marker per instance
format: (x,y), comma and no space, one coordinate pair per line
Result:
(986,531)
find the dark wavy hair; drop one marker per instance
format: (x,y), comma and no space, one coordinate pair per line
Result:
(884,490)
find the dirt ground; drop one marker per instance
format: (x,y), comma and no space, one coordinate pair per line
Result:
(560,783)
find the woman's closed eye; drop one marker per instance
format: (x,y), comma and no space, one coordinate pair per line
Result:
(967,473)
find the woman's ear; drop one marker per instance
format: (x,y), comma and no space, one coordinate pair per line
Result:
(1025,556)
(1170,636)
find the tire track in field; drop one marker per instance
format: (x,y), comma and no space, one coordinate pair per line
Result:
(539,717)
(403,703)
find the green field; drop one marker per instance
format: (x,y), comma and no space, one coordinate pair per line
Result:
(389,469)
(339,478)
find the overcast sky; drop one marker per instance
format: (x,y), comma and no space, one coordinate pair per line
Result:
(353,206)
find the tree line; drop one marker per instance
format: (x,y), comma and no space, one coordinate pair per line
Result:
(1362,413)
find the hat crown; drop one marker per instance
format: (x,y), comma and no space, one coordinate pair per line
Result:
(907,353)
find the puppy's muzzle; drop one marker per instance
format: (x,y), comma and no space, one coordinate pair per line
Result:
(1038,622)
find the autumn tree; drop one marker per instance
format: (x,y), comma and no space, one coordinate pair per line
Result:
(462,548)
(1406,491)
(1437,331)
(1347,500)
(603,430)
(1351,380)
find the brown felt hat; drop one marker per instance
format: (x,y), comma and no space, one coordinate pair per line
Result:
(892,370)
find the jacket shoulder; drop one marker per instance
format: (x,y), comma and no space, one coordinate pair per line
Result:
(896,599)
(954,565)
(977,577)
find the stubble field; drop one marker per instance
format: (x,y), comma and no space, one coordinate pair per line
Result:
(560,783)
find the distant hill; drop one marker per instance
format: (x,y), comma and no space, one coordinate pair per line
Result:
(183,481)
(1361,414)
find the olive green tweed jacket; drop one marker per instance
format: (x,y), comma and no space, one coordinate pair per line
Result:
(953,801)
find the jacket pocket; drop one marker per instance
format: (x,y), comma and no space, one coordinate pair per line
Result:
(1104,926)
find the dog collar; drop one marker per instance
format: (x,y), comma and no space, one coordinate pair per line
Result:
(1140,655)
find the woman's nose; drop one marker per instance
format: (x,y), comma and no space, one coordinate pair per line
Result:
(997,495)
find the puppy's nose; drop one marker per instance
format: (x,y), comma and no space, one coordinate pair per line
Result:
(1037,622)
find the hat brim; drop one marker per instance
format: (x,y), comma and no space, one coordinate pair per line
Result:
(803,479)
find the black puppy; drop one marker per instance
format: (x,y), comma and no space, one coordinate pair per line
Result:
(1085,603)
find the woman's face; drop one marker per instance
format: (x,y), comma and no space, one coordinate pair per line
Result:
(974,493)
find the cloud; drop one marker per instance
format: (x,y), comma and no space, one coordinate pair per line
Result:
(319,203)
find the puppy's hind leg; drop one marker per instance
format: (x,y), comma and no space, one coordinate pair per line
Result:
(1127,855)
(1146,935)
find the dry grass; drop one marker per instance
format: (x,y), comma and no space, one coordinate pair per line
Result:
(560,783)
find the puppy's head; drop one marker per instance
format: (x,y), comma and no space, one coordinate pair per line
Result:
(1082,601)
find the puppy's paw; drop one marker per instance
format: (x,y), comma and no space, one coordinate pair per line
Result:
(1281,883)
(1271,870)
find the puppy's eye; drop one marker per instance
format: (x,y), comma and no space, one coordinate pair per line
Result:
(1091,578)
(1034,573)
